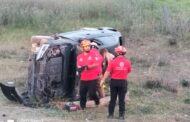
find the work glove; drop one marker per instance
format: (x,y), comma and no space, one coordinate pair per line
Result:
(82,68)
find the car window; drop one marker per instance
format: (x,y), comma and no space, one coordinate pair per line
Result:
(108,40)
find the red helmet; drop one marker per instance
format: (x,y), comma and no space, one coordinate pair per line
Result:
(120,49)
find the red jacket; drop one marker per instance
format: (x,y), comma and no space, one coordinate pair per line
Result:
(86,59)
(99,59)
(119,68)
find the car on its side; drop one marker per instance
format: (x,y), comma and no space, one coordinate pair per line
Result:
(52,69)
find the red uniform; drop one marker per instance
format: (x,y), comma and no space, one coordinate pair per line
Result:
(99,59)
(85,59)
(119,68)
(88,77)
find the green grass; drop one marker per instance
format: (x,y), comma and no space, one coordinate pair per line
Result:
(155,101)
(21,19)
(180,4)
(142,18)
(187,98)
(187,101)
(144,103)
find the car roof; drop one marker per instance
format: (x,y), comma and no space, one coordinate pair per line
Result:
(90,33)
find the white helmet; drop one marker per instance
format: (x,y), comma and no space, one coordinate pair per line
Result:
(94,44)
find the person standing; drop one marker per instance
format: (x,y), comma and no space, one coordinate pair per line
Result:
(107,57)
(87,66)
(95,50)
(118,68)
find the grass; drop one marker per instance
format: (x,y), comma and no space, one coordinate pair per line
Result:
(13,70)
(187,101)
(140,18)
(146,104)
(181,4)
(148,34)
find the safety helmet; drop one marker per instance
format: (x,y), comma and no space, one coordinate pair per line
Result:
(120,49)
(85,43)
(94,44)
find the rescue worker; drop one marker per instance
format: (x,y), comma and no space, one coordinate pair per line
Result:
(118,68)
(94,49)
(87,66)
(107,57)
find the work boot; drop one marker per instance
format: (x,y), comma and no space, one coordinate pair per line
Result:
(97,102)
(82,107)
(110,116)
(121,117)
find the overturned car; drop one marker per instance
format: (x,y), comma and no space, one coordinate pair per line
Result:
(52,70)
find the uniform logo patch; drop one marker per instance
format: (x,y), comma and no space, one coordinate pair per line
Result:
(121,64)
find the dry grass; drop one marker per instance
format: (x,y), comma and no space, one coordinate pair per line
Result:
(146,105)
(13,61)
(155,60)
(154,56)
(137,18)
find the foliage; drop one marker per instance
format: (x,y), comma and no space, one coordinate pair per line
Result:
(151,84)
(187,101)
(185,83)
(155,58)
(138,18)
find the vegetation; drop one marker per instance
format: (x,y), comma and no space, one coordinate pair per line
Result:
(144,17)
(157,34)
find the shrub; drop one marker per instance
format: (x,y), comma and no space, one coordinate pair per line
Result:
(187,101)
(185,83)
(151,84)
(172,41)
(172,86)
